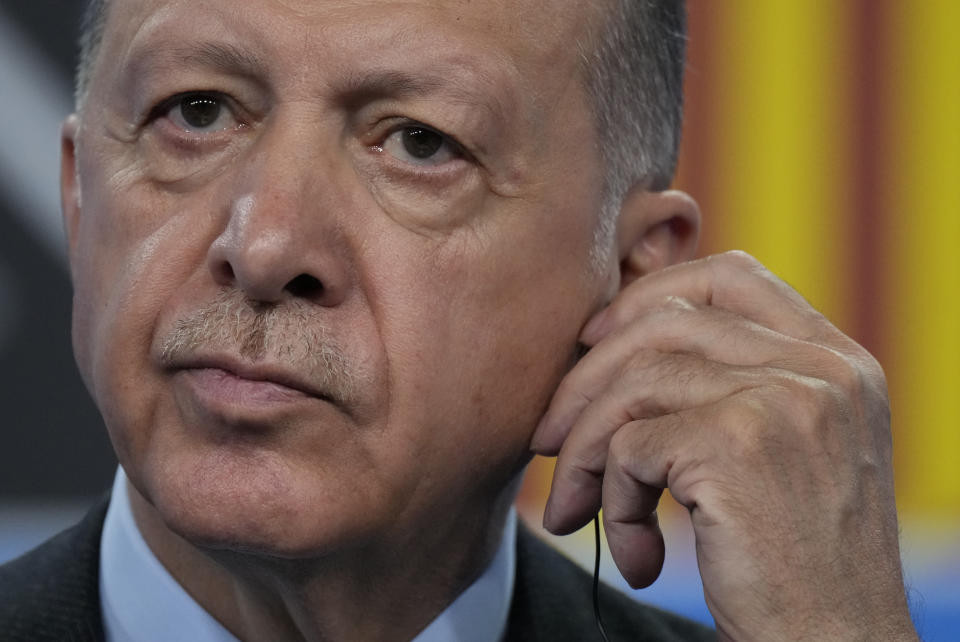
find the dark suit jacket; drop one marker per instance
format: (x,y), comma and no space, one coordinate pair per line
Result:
(52,593)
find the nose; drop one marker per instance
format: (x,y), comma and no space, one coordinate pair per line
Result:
(281,239)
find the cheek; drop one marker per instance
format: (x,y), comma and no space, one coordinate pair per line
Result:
(131,257)
(433,207)
(480,334)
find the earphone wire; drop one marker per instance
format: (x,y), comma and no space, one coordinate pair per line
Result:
(596,579)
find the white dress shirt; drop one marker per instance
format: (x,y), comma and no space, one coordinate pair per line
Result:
(142,602)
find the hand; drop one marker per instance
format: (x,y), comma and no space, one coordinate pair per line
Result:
(718,381)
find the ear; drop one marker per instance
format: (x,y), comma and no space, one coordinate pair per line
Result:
(655,229)
(70,199)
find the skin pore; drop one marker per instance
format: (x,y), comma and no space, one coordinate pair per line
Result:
(298,498)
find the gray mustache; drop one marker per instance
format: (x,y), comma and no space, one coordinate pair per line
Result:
(287,333)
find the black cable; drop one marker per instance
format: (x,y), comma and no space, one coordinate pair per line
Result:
(596,579)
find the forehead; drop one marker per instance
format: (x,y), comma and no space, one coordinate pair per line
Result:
(535,38)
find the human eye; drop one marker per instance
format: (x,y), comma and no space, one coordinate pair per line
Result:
(417,144)
(199,113)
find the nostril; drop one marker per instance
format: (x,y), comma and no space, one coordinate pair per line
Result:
(305,286)
(223,273)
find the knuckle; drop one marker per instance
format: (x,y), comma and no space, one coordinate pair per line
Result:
(732,263)
(671,318)
(733,274)
(628,454)
(620,452)
(667,312)
(810,405)
(873,377)
(580,468)
(676,303)
(634,370)
(857,381)
(822,405)
(845,372)
(759,418)
(740,259)
(742,426)
(850,383)
(651,381)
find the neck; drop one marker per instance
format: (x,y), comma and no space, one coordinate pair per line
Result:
(387,590)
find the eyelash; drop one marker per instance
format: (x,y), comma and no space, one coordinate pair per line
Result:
(194,139)
(402,124)
(168,103)
(438,176)
(164,107)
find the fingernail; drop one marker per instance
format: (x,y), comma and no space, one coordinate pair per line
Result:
(548,517)
(537,444)
(594,328)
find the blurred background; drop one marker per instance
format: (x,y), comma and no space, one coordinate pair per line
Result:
(821,136)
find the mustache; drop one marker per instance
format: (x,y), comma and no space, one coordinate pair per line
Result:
(289,334)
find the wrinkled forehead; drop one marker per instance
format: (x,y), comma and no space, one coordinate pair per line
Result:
(539,39)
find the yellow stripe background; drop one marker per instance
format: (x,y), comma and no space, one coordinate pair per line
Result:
(924,268)
(779,150)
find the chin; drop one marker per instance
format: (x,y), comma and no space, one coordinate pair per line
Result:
(254,503)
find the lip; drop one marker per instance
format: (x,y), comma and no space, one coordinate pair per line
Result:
(223,382)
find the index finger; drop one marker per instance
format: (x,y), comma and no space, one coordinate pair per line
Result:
(734,281)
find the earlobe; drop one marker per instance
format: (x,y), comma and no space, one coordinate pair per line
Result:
(655,229)
(70,199)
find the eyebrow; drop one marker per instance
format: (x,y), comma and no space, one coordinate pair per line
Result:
(224,57)
(461,82)
(218,56)
(363,86)
(389,82)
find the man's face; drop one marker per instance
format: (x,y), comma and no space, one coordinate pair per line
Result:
(331,257)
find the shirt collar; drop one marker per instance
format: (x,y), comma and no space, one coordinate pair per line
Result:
(142,602)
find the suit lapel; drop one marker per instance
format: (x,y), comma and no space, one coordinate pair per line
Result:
(52,592)
(550,601)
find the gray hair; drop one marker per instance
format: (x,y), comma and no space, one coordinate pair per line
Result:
(91,35)
(634,77)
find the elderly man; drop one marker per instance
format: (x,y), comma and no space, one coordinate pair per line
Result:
(340,266)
